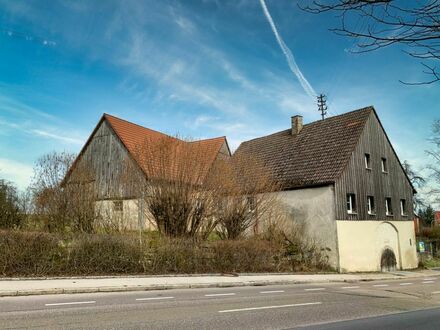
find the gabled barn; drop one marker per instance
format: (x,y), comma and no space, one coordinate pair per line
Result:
(115,142)
(342,178)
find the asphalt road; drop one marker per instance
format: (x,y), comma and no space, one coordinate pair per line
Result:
(323,306)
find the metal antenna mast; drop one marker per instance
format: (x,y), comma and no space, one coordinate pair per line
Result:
(322,105)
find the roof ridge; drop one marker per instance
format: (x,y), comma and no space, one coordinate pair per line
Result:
(370,107)
(143,127)
(214,138)
(153,130)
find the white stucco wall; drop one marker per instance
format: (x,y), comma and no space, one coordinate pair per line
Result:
(128,219)
(314,208)
(361,243)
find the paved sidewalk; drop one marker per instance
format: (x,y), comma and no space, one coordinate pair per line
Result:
(28,286)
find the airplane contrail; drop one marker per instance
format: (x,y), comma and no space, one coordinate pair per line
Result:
(289,56)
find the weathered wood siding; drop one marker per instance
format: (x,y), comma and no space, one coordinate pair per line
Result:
(106,156)
(362,182)
(224,152)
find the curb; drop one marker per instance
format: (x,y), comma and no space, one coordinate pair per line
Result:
(14,293)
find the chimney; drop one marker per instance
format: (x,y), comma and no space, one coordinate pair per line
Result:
(297,124)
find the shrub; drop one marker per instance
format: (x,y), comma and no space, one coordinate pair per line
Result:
(30,254)
(430,232)
(46,254)
(104,254)
(251,255)
(10,213)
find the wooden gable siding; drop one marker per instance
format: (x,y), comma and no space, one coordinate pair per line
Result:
(224,152)
(362,182)
(106,156)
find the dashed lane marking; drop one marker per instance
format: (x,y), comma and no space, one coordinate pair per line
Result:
(219,294)
(350,287)
(273,291)
(403,284)
(314,289)
(71,303)
(154,298)
(380,285)
(268,307)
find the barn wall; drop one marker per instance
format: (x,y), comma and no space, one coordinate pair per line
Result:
(364,182)
(106,157)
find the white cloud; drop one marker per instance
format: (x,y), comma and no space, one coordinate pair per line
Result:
(16,172)
(55,136)
(289,56)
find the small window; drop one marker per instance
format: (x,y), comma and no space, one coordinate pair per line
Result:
(351,203)
(403,207)
(117,206)
(384,165)
(367,162)
(252,204)
(388,206)
(370,205)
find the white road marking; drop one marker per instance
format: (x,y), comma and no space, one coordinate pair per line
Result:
(268,307)
(427,282)
(435,292)
(274,291)
(71,303)
(380,285)
(219,294)
(154,298)
(350,287)
(314,289)
(429,279)
(405,283)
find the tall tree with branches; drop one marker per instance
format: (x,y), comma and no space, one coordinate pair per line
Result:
(417,181)
(377,24)
(434,153)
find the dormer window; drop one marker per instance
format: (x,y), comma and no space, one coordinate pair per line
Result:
(351,203)
(384,165)
(367,162)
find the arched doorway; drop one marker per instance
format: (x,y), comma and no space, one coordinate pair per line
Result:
(388,260)
(387,247)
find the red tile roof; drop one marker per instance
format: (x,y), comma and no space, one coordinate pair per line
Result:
(317,155)
(137,139)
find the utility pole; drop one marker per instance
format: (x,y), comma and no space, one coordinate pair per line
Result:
(322,105)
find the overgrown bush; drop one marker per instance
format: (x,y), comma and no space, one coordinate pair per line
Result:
(31,254)
(45,254)
(251,255)
(430,232)
(104,254)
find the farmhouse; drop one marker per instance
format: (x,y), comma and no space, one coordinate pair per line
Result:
(342,178)
(339,176)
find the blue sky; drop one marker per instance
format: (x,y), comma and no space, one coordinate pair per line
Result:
(197,68)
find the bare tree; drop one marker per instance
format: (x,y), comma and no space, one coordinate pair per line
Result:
(63,205)
(434,153)
(10,213)
(172,186)
(378,24)
(417,181)
(247,196)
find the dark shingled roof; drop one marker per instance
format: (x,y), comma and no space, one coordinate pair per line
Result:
(315,156)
